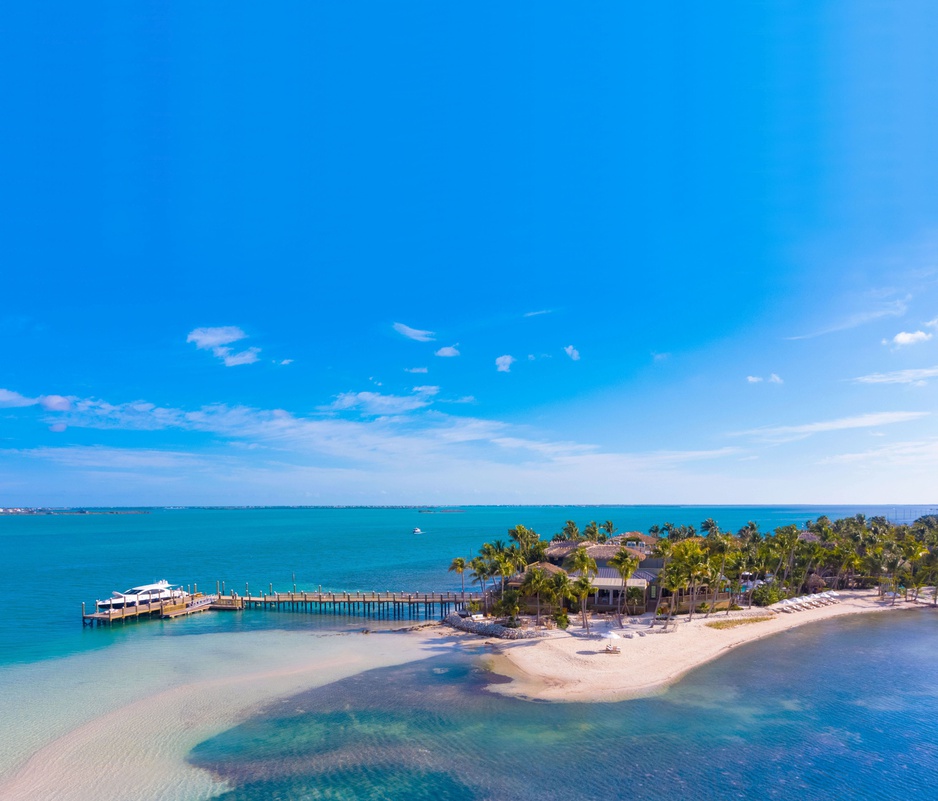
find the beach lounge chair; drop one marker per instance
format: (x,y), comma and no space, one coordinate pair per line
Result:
(612,649)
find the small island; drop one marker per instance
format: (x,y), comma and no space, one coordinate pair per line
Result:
(579,617)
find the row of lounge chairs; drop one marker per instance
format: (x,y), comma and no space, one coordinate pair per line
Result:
(815,601)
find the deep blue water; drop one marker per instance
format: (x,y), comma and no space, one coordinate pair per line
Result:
(843,709)
(49,565)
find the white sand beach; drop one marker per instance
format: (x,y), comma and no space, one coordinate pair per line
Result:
(569,666)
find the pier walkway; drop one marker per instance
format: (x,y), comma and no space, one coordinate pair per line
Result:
(386,604)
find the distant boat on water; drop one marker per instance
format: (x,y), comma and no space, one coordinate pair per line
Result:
(417,531)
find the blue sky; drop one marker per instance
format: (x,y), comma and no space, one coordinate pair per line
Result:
(488,253)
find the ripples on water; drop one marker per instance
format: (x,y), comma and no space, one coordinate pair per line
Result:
(842,709)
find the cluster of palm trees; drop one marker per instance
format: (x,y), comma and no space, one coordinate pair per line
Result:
(697,566)
(592,532)
(500,561)
(851,551)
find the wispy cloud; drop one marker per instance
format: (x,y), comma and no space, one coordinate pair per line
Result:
(537,313)
(284,362)
(217,340)
(572,352)
(230,359)
(920,453)
(754,379)
(894,308)
(10,399)
(415,369)
(503,363)
(904,338)
(448,352)
(208,338)
(916,376)
(414,333)
(773,378)
(376,403)
(790,433)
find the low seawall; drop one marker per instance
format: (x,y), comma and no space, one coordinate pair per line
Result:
(487,629)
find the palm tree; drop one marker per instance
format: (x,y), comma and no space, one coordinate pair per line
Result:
(663,548)
(559,589)
(459,566)
(591,532)
(625,565)
(582,587)
(609,527)
(571,531)
(481,572)
(581,562)
(535,582)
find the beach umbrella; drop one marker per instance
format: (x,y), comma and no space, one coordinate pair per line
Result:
(611,635)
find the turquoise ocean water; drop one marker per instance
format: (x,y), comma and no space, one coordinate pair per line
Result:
(845,708)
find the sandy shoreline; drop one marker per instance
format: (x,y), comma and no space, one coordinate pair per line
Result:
(568,666)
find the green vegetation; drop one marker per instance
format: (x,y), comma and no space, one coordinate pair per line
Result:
(699,572)
(739,621)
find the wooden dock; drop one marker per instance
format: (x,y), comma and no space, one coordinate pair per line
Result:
(166,609)
(390,605)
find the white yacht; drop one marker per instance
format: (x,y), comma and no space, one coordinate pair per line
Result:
(144,594)
(417,531)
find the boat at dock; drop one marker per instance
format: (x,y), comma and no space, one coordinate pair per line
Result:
(144,594)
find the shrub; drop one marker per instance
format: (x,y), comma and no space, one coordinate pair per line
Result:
(765,594)
(703,607)
(561,619)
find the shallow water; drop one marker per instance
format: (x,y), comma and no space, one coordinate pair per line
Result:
(843,708)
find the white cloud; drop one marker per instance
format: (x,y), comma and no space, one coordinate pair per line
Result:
(284,362)
(932,323)
(415,369)
(758,379)
(10,399)
(788,433)
(503,363)
(774,378)
(51,403)
(58,428)
(230,359)
(754,379)
(572,352)
(414,333)
(912,376)
(376,403)
(208,338)
(660,357)
(217,340)
(448,351)
(536,313)
(908,338)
